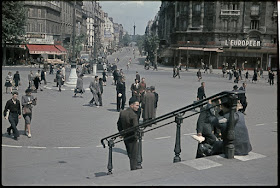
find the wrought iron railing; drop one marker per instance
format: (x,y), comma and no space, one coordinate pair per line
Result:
(232,97)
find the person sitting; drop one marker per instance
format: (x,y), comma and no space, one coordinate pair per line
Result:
(241,142)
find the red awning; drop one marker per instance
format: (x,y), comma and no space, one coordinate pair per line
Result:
(61,48)
(43,49)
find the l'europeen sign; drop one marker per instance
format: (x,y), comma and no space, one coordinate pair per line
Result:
(242,43)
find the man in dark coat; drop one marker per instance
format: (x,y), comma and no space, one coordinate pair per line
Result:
(135,89)
(201,92)
(137,76)
(148,105)
(243,98)
(127,119)
(79,86)
(95,89)
(121,98)
(156,98)
(242,145)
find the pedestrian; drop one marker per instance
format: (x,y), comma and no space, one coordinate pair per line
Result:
(95,90)
(63,73)
(224,71)
(79,86)
(242,97)
(121,97)
(12,112)
(57,76)
(240,73)
(104,77)
(156,98)
(155,66)
(137,76)
(115,76)
(246,75)
(30,80)
(135,89)
(174,71)
(255,76)
(43,76)
(60,80)
(230,74)
(236,75)
(78,71)
(178,71)
(8,83)
(211,69)
(242,145)
(198,74)
(104,66)
(148,105)
(16,79)
(37,82)
(271,77)
(101,92)
(51,69)
(27,101)
(201,92)
(128,119)
(261,72)
(142,88)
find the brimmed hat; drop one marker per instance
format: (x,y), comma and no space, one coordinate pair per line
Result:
(152,88)
(235,87)
(28,90)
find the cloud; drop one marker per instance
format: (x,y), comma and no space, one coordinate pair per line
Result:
(137,3)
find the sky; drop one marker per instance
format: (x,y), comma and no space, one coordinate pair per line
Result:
(129,12)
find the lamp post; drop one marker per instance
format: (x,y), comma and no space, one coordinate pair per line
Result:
(94,63)
(72,80)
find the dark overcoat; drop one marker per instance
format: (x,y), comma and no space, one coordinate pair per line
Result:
(148,105)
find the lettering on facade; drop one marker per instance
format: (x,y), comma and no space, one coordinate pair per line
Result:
(243,43)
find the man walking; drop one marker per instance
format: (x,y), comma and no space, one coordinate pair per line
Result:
(12,112)
(198,74)
(137,76)
(79,86)
(135,89)
(121,98)
(243,98)
(95,89)
(156,98)
(201,92)
(148,105)
(127,119)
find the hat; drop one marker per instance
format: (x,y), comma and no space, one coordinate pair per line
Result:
(133,100)
(152,88)
(235,87)
(28,90)
(148,88)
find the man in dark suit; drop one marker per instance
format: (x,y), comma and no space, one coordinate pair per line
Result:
(243,99)
(201,92)
(121,98)
(137,76)
(128,118)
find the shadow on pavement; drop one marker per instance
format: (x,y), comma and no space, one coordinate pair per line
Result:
(98,174)
(119,150)
(112,110)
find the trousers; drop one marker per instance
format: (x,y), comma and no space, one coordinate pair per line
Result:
(95,98)
(132,151)
(13,119)
(121,102)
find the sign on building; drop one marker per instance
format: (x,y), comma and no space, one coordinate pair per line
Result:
(243,43)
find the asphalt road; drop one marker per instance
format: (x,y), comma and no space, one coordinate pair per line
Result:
(65,147)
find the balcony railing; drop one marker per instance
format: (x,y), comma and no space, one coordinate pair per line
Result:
(230,12)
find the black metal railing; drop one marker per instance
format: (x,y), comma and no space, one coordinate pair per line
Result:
(231,96)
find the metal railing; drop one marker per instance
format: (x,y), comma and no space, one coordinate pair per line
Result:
(179,116)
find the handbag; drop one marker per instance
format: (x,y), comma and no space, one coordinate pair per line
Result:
(26,110)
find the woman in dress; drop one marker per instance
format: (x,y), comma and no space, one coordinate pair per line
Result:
(16,79)
(27,101)
(8,82)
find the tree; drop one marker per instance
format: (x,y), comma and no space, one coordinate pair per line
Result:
(150,46)
(126,40)
(140,43)
(13,23)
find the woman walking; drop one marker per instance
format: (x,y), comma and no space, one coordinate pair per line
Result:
(16,79)
(13,114)
(27,101)
(8,82)
(37,82)
(104,77)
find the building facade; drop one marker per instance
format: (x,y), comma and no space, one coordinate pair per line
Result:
(218,32)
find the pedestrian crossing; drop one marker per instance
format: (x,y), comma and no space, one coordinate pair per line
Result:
(204,163)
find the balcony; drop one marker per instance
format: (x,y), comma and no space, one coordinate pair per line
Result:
(230,12)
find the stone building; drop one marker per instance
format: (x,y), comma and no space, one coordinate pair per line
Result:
(218,32)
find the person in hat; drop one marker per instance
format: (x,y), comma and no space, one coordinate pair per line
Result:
(242,145)
(27,101)
(95,89)
(235,87)
(12,112)
(79,86)
(148,105)
(127,119)
(156,98)
(121,97)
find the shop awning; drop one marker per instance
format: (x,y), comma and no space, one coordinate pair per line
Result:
(61,48)
(201,49)
(43,49)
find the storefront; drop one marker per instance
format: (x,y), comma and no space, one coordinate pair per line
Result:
(54,54)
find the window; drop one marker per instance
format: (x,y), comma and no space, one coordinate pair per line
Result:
(234,6)
(225,25)
(254,24)
(255,10)
(197,8)
(39,13)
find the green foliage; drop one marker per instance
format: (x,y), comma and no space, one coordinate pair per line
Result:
(125,40)
(13,21)
(150,45)
(140,42)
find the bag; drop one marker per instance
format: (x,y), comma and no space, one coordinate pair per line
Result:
(26,110)
(119,95)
